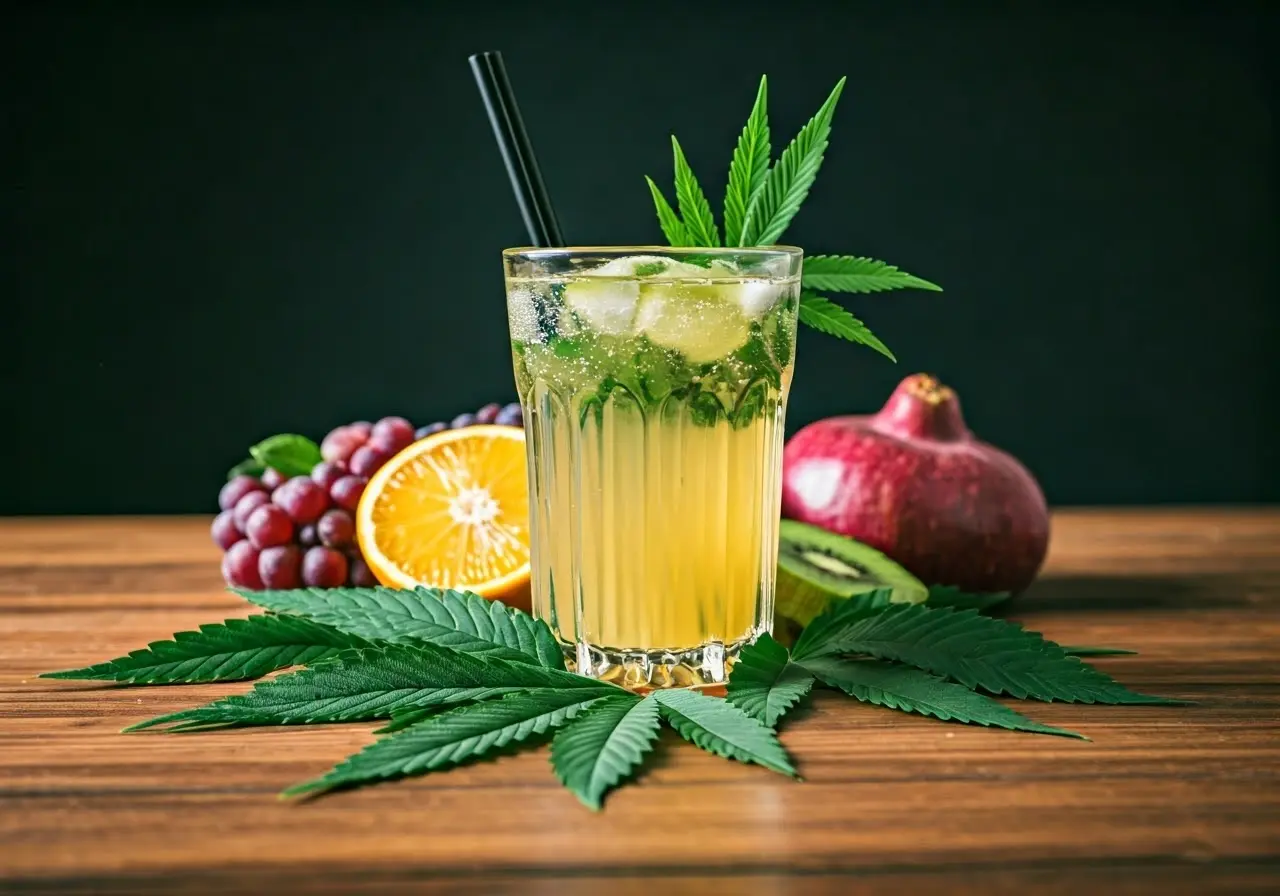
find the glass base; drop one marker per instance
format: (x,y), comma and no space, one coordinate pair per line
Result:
(707,666)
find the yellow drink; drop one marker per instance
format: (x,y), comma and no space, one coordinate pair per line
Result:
(654,390)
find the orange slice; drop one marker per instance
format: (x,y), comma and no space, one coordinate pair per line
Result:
(451,511)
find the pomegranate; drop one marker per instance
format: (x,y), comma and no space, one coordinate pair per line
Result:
(913,482)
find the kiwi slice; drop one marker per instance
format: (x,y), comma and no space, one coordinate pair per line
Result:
(816,567)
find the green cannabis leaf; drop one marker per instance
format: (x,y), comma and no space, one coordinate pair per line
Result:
(765,683)
(910,690)
(788,182)
(851,273)
(950,596)
(977,651)
(672,227)
(455,736)
(1098,651)
(748,169)
(457,619)
(825,315)
(605,745)
(719,727)
(371,683)
(233,650)
(695,211)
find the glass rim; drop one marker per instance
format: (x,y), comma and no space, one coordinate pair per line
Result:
(534,252)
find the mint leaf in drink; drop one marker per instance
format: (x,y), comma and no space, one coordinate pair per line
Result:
(825,315)
(977,651)
(788,181)
(695,211)
(719,727)
(851,273)
(371,683)
(672,227)
(949,596)
(233,650)
(748,169)
(650,268)
(290,454)
(247,467)
(459,620)
(910,690)
(453,737)
(765,683)
(605,745)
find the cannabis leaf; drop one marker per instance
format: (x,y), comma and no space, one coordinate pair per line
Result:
(371,683)
(950,596)
(453,737)
(852,273)
(605,745)
(1098,651)
(695,211)
(910,690)
(825,315)
(788,181)
(719,727)
(748,169)
(765,683)
(672,227)
(458,619)
(228,651)
(977,651)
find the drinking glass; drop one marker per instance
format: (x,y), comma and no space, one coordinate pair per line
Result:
(654,385)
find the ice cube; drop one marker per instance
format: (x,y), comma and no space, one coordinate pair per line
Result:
(696,321)
(606,306)
(522,311)
(755,297)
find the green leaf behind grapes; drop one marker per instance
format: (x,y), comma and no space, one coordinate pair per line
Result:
(290,454)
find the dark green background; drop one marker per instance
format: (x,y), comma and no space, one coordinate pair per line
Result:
(229,220)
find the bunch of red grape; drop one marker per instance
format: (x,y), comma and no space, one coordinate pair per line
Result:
(280,532)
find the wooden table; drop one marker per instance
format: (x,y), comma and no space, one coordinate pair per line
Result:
(1180,799)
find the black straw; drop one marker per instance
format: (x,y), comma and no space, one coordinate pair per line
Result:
(517,151)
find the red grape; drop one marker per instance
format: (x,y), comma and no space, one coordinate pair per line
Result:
(341,443)
(302,499)
(462,421)
(346,492)
(224,530)
(364,427)
(430,429)
(326,473)
(324,568)
(272,479)
(281,566)
(510,415)
(240,566)
(268,526)
(488,413)
(390,434)
(336,529)
(308,536)
(247,505)
(360,575)
(235,489)
(367,460)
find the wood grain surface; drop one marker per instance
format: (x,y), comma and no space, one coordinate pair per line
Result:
(1163,799)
